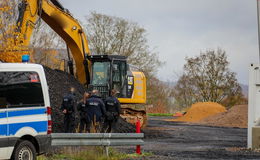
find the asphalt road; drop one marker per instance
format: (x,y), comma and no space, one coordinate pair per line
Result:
(176,140)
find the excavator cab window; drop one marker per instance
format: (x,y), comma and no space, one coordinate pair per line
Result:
(119,77)
(101,77)
(109,72)
(101,73)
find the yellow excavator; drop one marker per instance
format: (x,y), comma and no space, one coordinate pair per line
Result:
(102,72)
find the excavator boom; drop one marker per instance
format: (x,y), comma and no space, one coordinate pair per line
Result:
(67,27)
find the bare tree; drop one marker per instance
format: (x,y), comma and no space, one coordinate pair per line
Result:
(159,96)
(113,35)
(183,93)
(47,46)
(44,37)
(207,78)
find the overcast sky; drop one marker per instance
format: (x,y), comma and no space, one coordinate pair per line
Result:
(180,28)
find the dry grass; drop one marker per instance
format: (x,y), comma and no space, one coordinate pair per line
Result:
(88,153)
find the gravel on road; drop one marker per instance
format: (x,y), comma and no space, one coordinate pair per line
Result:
(178,140)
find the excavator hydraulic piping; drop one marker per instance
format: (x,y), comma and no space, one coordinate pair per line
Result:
(85,61)
(70,62)
(21,8)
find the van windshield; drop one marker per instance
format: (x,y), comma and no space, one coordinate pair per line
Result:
(20,89)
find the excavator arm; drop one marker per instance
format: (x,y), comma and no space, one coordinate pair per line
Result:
(67,27)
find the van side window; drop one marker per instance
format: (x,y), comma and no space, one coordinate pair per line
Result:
(2,102)
(20,89)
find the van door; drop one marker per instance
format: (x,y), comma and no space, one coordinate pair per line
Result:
(26,108)
(3,119)
(4,143)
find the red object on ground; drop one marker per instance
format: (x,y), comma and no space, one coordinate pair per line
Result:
(138,130)
(138,126)
(178,114)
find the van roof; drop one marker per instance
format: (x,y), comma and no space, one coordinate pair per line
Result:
(29,66)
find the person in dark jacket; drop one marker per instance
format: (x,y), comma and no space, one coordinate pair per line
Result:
(95,110)
(82,112)
(113,109)
(67,108)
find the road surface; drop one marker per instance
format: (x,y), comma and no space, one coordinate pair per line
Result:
(176,140)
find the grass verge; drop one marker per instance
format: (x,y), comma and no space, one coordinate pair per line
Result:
(160,114)
(89,153)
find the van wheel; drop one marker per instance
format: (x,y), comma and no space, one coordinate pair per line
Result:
(25,150)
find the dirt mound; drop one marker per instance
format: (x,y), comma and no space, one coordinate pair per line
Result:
(201,110)
(59,83)
(124,127)
(234,117)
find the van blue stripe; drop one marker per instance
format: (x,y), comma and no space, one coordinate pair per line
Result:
(28,112)
(40,126)
(3,115)
(3,129)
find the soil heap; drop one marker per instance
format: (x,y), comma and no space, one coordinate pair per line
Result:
(201,110)
(59,83)
(234,117)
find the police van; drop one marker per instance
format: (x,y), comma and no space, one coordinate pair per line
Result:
(25,113)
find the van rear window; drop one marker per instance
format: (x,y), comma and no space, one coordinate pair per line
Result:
(20,89)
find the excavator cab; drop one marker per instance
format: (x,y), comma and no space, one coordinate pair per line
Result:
(110,72)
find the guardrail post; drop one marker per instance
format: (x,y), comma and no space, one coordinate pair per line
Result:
(107,151)
(138,130)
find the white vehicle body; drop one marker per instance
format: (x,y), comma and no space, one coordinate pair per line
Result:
(24,107)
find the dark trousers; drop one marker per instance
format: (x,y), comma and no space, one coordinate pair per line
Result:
(84,125)
(69,120)
(109,125)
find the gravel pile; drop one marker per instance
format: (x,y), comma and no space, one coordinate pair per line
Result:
(201,110)
(59,83)
(124,127)
(234,117)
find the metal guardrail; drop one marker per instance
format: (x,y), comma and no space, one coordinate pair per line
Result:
(97,139)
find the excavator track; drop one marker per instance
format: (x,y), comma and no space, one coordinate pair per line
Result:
(132,113)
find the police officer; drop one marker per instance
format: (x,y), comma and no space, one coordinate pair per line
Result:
(95,109)
(113,109)
(67,108)
(82,110)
